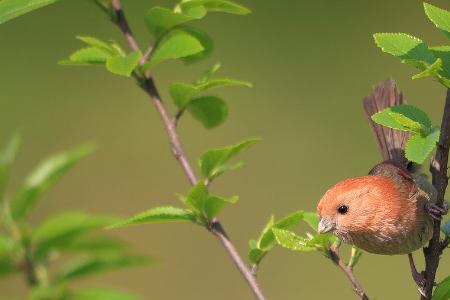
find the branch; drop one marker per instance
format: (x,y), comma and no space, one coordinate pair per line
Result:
(178,152)
(438,170)
(348,270)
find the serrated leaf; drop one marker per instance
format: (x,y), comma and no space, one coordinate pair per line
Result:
(440,17)
(10,9)
(211,111)
(62,229)
(101,294)
(442,291)
(419,147)
(87,56)
(215,204)
(93,265)
(404,46)
(44,177)
(212,160)
(7,157)
(404,117)
(176,46)
(223,6)
(123,65)
(312,219)
(267,240)
(160,19)
(204,39)
(158,215)
(290,240)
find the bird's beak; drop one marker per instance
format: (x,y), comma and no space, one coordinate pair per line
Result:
(325,225)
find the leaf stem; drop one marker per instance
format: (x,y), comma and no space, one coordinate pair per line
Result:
(438,169)
(149,86)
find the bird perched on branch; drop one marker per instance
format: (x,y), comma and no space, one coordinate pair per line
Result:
(391,210)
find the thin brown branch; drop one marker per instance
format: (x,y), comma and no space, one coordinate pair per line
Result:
(178,152)
(438,170)
(348,271)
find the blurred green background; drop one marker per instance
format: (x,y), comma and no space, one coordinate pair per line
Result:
(311,63)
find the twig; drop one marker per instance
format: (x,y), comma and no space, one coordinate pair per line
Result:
(177,149)
(348,270)
(438,170)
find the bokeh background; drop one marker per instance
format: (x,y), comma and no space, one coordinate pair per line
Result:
(311,63)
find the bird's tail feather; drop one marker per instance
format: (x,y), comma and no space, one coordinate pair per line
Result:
(390,141)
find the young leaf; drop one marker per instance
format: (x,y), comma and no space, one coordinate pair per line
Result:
(204,39)
(206,76)
(215,204)
(222,82)
(312,219)
(87,56)
(255,254)
(182,93)
(432,70)
(404,46)
(267,240)
(97,43)
(223,6)
(290,240)
(442,291)
(419,147)
(62,229)
(176,46)
(10,9)
(7,157)
(44,177)
(211,162)
(123,65)
(158,215)
(404,117)
(93,265)
(159,19)
(440,17)
(197,197)
(101,294)
(211,111)
(443,53)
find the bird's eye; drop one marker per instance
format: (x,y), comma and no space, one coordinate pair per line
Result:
(342,209)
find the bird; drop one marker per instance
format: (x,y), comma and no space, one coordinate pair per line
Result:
(391,210)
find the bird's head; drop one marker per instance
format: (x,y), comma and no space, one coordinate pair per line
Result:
(351,205)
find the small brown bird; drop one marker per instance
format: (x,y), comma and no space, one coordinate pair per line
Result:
(391,210)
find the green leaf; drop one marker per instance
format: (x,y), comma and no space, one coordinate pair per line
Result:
(206,76)
(215,204)
(101,294)
(290,240)
(419,147)
(7,267)
(62,229)
(440,17)
(267,240)
(312,219)
(443,52)
(211,111)
(182,93)
(204,39)
(100,245)
(159,19)
(176,46)
(432,70)
(10,9)
(97,43)
(87,56)
(44,177)
(7,246)
(123,65)
(354,256)
(158,215)
(404,117)
(7,157)
(222,82)
(404,46)
(212,161)
(255,254)
(442,291)
(93,265)
(223,6)
(197,197)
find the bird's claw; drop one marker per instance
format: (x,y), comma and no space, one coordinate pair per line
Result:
(435,211)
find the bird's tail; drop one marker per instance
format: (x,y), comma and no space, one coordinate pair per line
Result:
(390,141)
